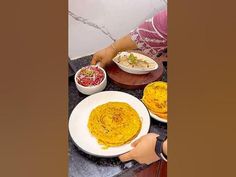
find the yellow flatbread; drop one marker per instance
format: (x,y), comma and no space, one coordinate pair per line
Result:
(114,123)
(161,115)
(155,98)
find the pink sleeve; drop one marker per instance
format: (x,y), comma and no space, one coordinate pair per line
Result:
(151,36)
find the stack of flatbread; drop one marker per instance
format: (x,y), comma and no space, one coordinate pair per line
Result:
(155,98)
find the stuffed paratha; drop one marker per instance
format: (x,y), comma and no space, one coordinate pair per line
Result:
(114,123)
(155,98)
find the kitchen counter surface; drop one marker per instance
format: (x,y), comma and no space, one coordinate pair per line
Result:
(84,165)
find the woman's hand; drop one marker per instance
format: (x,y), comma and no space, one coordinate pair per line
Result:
(143,151)
(104,56)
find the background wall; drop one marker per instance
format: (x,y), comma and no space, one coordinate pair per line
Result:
(94,24)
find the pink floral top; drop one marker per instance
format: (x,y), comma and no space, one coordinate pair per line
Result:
(151,36)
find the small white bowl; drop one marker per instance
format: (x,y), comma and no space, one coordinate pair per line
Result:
(91,89)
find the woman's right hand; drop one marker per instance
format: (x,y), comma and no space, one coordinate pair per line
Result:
(143,150)
(104,56)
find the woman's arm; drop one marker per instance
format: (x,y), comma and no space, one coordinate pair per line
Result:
(150,37)
(165,147)
(105,55)
(144,150)
(124,43)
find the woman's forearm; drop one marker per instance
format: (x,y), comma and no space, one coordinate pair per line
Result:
(165,147)
(123,44)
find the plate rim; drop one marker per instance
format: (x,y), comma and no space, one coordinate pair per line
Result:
(157,117)
(105,156)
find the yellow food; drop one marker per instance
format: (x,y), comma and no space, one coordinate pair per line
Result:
(162,115)
(155,98)
(114,123)
(133,61)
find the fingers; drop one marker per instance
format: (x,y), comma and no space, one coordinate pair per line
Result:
(136,142)
(101,64)
(95,59)
(126,157)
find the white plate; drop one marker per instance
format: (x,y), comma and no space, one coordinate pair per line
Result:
(135,70)
(79,119)
(157,117)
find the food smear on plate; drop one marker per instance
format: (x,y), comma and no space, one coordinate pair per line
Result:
(90,76)
(155,98)
(133,61)
(114,124)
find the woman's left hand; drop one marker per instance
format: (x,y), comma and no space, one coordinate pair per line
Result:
(143,151)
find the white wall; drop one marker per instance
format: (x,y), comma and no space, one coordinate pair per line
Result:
(93,24)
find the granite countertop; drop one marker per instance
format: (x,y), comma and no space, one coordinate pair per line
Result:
(84,165)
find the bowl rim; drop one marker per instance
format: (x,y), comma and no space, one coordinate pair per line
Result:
(94,86)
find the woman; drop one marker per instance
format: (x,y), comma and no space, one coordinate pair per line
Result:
(151,38)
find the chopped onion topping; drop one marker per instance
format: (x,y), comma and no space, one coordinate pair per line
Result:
(90,76)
